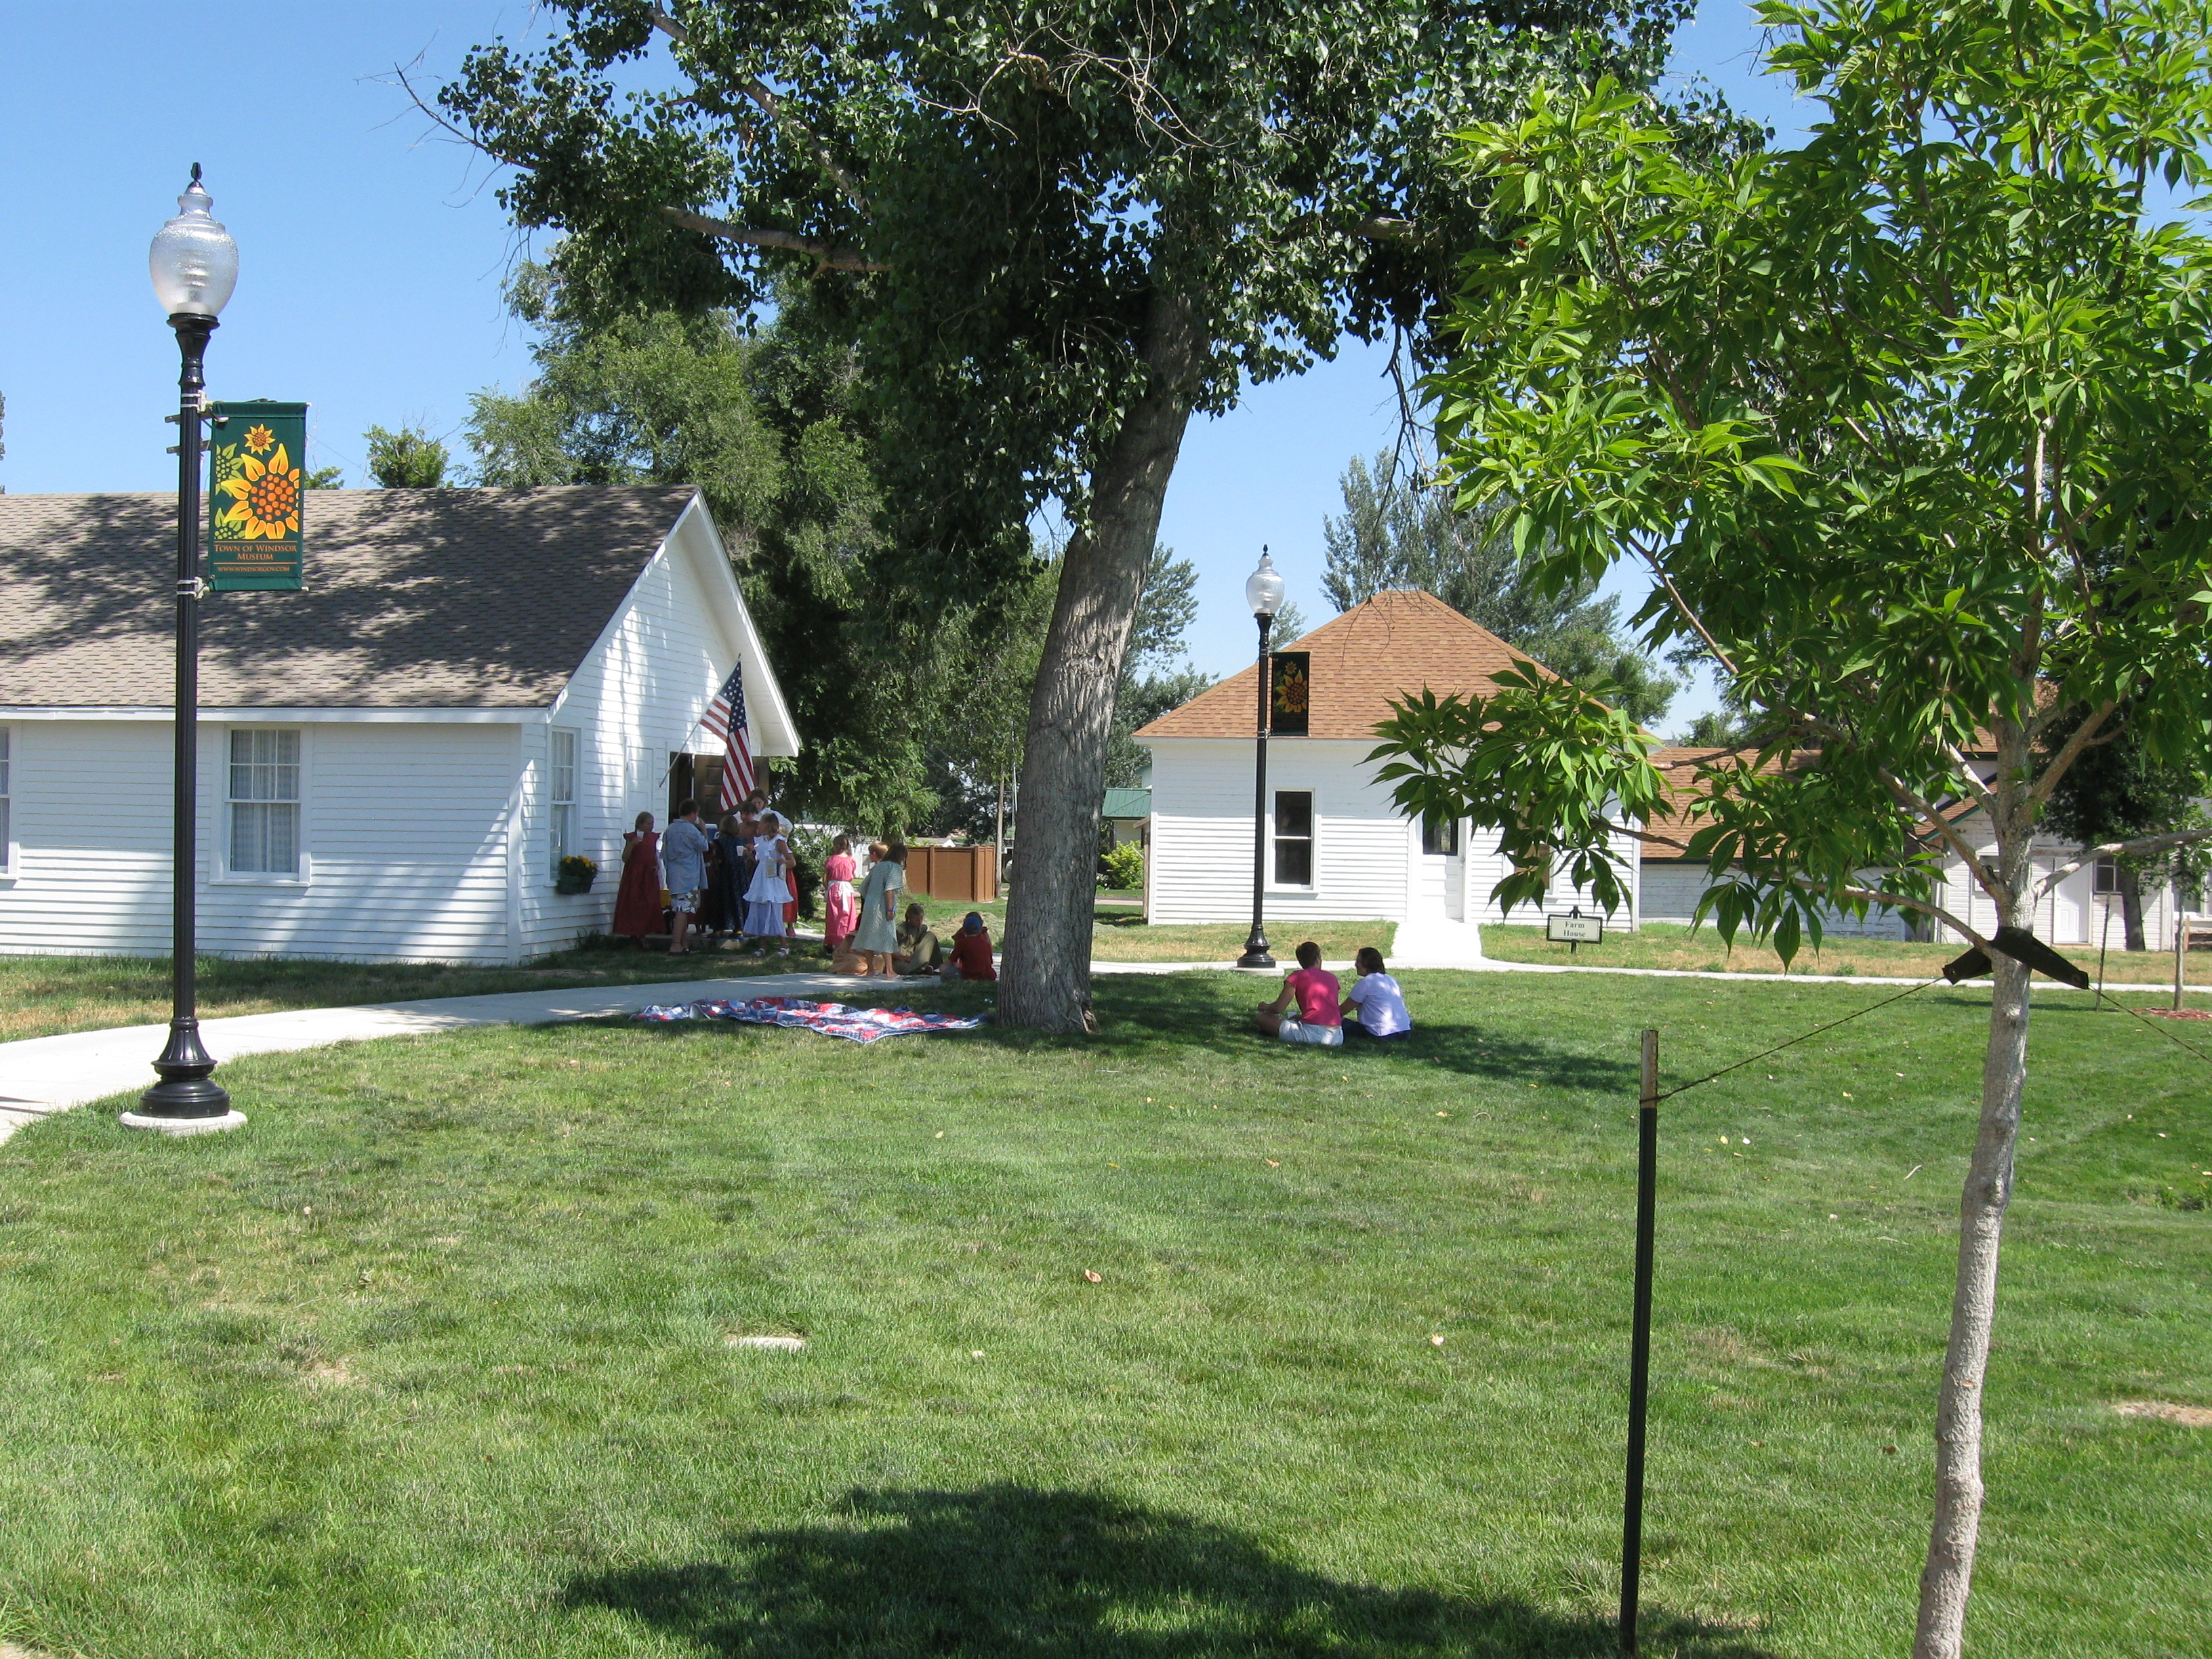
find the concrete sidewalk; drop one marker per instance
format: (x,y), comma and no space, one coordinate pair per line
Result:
(42,1075)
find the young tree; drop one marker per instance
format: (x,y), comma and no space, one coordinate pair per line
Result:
(409,458)
(1394,534)
(1910,426)
(1055,230)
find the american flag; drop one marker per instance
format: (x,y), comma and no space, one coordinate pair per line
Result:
(726,719)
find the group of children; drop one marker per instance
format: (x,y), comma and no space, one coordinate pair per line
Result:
(865,941)
(1376,1009)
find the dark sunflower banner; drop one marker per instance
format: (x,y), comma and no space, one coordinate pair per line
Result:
(257,486)
(1290,689)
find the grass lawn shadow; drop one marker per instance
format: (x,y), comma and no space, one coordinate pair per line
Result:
(1014,1572)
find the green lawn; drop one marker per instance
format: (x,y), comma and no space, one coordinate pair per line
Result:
(434,1358)
(1662,945)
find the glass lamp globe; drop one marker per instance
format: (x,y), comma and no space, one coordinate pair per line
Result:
(1263,588)
(193,261)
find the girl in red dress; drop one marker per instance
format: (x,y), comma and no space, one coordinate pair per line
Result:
(840,910)
(637,901)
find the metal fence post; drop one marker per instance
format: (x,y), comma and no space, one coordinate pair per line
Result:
(1639,1362)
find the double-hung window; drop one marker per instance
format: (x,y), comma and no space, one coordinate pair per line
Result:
(1294,837)
(562,797)
(264,802)
(2108,876)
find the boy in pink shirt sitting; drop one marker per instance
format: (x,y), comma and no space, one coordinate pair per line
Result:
(1315,991)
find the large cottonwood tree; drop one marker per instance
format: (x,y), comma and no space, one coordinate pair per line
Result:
(1913,426)
(1055,229)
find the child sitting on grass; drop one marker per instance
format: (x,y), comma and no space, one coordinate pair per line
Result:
(917,950)
(1315,991)
(971,951)
(1376,1008)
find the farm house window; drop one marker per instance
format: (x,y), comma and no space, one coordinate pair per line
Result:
(562,791)
(1294,837)
(1440,838)
(2108,876)
(264,802)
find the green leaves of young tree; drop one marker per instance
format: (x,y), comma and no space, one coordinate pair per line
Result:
(1912,425)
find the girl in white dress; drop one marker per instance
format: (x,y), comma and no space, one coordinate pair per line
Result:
(766,897)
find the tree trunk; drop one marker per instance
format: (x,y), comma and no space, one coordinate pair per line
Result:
(1049,909)
(2130,882)
(1948,1574)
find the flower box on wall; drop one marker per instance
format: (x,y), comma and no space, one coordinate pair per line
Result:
(575,874)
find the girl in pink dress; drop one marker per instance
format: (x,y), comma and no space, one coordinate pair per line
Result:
(840,910)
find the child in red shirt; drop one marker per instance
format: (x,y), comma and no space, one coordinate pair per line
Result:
(1315,991)
(971,951)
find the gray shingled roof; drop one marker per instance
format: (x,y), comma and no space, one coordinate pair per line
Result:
(439,598)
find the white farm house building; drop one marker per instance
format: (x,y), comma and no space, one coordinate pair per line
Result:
(475,682)
(1336,847)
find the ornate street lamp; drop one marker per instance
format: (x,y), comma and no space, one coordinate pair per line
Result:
(1263,592)
(194,265)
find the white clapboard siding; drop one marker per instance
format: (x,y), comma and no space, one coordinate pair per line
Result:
(1672,890)
(92,874)
(403,833)
(635,701)
(1201,848)
(1488,865)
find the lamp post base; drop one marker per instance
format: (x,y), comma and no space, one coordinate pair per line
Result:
(1256,952)
(187,1093)
(182,1126)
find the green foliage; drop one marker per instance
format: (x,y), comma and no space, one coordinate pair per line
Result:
(409,458)
(1000,194)
(766,426)
(326,477)
(1123,868)
(1915,427)
(1458,757)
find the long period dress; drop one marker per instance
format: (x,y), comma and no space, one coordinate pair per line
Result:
(877,933)
(637,901)
(840,910)
(765,898)
(726,906)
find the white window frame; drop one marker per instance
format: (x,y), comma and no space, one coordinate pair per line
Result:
(229,875)
(1313,841)
(563,819)
(7,803)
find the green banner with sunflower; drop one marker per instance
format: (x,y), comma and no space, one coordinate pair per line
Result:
(256,488)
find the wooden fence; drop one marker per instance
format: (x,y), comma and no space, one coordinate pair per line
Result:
(970,874)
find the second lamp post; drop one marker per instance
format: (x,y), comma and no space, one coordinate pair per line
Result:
(1263,592)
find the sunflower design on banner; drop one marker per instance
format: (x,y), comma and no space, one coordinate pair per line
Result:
(1291,685)
(257,496)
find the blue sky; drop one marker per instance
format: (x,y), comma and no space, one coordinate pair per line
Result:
(371,258)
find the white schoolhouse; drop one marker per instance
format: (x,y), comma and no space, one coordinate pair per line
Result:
(1336,847)
(475,684)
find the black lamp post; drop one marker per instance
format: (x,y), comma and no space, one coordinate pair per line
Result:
(1263,592)
(194,265)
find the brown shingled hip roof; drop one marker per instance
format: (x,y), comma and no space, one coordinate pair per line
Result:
(439,598)
(1395,645)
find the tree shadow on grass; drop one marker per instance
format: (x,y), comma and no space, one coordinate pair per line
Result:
(1012,1572)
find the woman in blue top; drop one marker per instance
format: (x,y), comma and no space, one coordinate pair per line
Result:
(877,936)
(1376,1008)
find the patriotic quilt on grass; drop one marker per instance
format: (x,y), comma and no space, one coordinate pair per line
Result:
(828,1018)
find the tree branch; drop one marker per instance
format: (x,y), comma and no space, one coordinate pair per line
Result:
(2070,751)
(1899,902)
(2121,849)
(1911,800)
(827,256)
(773,108)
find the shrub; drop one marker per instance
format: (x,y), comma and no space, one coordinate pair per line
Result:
(1122,869)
